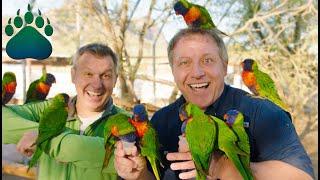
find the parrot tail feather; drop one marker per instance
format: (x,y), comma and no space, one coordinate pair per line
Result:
(154,166)
(34,158)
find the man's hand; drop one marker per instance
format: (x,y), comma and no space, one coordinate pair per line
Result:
(187,166)
(129,166)
(24,146)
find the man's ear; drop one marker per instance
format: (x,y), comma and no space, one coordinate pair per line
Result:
(225,67)
(73,74)
(115,81)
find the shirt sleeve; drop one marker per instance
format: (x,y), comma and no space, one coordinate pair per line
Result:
(276,139)
(82,151)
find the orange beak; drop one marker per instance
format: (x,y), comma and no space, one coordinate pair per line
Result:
(225,116)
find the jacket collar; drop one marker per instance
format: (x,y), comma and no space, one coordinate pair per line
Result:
(72,113)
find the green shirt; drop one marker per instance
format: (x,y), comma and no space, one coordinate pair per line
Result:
(70,156)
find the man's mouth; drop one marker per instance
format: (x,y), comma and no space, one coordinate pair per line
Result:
(94,94)
(199,85)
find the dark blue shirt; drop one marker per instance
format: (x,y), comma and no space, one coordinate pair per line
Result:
(271,133)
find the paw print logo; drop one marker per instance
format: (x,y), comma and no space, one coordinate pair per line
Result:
(27,42)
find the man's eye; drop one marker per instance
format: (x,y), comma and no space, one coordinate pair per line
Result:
(208,60)
(87,74)
(183,63)
(106,76)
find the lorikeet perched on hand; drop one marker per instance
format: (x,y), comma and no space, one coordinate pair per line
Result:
(39,89)
(51,123)
(201,134)
(260,83)
(235,121)
(148,141)
(195,15)
(9,85)
(117,127)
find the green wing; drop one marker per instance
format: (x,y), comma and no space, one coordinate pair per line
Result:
(205,18)
(227,142)
(149,145)
(31,93)
(268,89)
(201,136)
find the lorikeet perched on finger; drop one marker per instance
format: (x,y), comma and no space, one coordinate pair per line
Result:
(9,85)
(260,83)
(201,134)
(117,127)
(51,123)
(148,141)
(195,16)
(235,121)
(39,89)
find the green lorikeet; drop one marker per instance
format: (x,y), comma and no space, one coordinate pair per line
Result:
(39,89)
(201,135)
(148,141)
(117,127)
(260,83)
(195,16)
(51,123)
(227,142)
(235,121)
(9,85)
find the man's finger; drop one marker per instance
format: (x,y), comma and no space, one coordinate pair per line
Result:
(188,174)
(182,165)
(119,151)
(179,156)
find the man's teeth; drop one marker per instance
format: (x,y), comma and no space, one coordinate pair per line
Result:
(200,85)
(93,93)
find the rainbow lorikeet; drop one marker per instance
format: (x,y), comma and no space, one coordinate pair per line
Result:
(39,89)
(235,121)
(201,134)
(195,16)
(117,127)
(148,141)
(9,85)
(51,123)
(260,83)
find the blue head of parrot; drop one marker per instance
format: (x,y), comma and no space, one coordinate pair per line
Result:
(140,113)
(180,9)
(247,64)
(183,113)
(131,137)
(230,117)
(50,79)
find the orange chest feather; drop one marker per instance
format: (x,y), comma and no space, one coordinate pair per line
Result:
(248,78)
(43,88)
(141,127)
(11,87)
(192,15)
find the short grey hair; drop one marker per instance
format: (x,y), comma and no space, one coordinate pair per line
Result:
(213,33)
(96,49)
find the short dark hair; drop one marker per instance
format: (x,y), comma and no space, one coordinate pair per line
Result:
(97,49)
(214,34)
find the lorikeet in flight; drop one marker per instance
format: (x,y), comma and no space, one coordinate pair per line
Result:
(39,89)
(9,85)
(201,133)
(195,16)
(235,120)
(148,141)
(117,127)
(51,123)
(260,83)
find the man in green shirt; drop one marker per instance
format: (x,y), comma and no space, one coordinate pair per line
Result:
(78,153)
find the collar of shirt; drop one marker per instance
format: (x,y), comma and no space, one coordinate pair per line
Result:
(72,113)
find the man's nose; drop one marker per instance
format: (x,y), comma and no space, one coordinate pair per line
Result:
(96,82)
(197,71)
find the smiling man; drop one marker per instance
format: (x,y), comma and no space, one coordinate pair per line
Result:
(198,60)
(78,153)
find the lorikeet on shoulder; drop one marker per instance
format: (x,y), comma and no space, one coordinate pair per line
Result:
(260,83)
